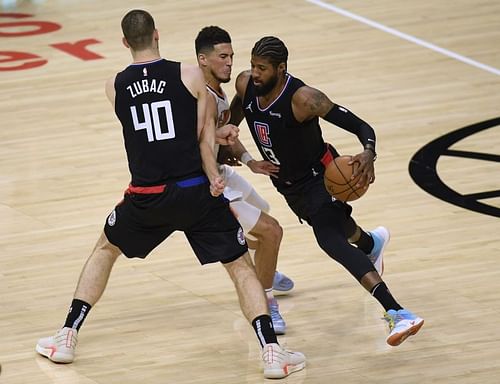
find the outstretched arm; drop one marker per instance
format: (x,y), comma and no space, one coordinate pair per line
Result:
(308,103)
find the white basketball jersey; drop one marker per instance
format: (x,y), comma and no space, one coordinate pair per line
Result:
(223,111)
(237,188)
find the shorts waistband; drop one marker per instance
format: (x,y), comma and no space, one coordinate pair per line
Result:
(327,157)
(316,169)
(191,182)
(146,190)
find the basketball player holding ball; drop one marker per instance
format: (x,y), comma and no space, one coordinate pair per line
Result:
(283,114)
(340,181)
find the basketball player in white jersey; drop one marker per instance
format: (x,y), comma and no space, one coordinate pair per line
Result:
(215,58)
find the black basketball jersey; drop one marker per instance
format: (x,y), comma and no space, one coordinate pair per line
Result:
(159,119)
(295,147)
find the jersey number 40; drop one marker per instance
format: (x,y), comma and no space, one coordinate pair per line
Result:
(152,123)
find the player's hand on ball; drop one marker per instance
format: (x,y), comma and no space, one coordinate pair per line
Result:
(366,170)
(340,181)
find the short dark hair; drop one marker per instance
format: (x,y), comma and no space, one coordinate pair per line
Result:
(138,27)
(210,36)
(272,49)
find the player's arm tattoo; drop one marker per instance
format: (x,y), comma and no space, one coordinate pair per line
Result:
(319,104)
(314,103)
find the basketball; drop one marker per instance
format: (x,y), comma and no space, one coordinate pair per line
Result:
(338,181)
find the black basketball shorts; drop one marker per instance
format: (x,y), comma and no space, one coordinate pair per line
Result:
(143,220)
(310,199)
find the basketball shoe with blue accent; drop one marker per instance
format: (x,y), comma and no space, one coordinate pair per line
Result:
(402,324)
(279,324)
(281,282)
(381,237)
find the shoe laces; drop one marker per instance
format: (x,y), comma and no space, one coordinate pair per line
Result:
(398,316)
(392,319)
(273,354)
(67,338)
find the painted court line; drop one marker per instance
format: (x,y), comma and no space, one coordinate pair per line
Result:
(405,36)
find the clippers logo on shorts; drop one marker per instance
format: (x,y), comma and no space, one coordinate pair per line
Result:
(241,236)
(112,218)
(262,131)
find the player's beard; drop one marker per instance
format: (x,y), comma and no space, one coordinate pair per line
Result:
(265,88)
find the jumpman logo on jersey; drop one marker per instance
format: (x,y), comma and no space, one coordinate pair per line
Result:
(262,131)
(249,107)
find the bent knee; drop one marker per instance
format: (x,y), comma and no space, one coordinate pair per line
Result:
(267,227)
(265,206)
(332,244)
(240,265)
(105,247)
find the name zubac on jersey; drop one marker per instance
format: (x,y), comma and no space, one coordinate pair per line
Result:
(146,85)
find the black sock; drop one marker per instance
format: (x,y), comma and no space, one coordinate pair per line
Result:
(384,297)
(365,242)
(77,313)
(263,327)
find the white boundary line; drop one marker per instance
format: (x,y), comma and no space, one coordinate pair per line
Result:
(405,36)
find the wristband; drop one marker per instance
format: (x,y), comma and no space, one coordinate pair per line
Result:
(371,148)
(245,158)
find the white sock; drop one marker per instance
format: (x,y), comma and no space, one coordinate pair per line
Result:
(269,293)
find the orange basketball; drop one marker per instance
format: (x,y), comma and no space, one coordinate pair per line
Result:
(338,181)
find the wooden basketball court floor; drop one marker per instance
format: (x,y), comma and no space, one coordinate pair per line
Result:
(416,70)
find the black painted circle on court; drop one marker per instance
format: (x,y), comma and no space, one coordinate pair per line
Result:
(423,170)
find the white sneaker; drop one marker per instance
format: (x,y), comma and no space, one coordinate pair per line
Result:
(279,363)
(59,348)
(402,324)
(381,237)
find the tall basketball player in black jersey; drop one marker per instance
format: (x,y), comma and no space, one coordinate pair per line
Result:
(175,186)
(283,116)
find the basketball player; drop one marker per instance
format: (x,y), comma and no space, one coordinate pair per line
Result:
(175,185)
(282,114)
(215,58)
